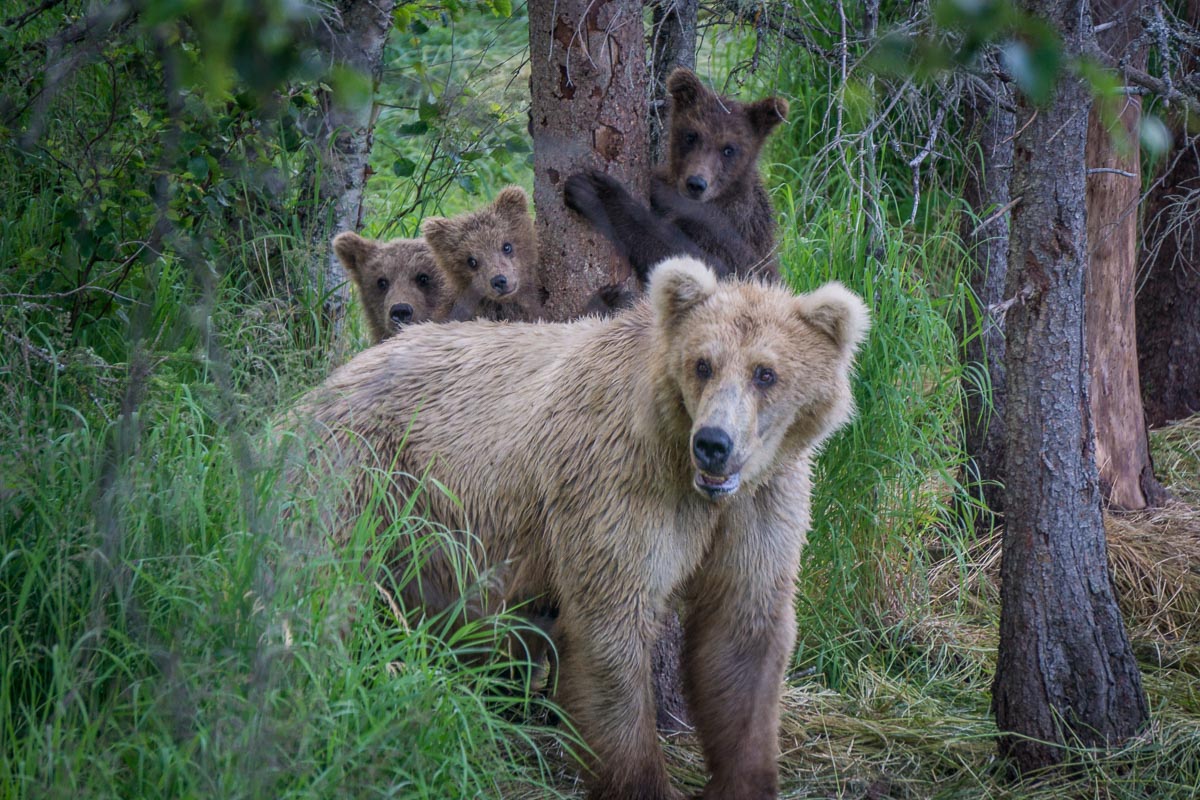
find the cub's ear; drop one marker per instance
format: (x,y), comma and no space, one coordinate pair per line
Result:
(353,250)
(685,88)
(767,113)
(838,313)
(677,285)
(438,233)
(512,202)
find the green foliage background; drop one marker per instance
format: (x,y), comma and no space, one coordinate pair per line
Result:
(163,635)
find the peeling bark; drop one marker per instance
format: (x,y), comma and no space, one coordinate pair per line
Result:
(1122,444)
(589,91)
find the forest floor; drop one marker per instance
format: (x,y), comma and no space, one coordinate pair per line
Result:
(919,725)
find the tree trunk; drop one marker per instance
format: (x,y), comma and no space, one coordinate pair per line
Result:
(986,193)
(351,36)
(588,63)
(1065,672)
(1168,302)
(589,88)
(672,44)
(1122,445)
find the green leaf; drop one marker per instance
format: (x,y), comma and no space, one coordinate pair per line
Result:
(198,167)
(427,110)
(404,167)
(413,128)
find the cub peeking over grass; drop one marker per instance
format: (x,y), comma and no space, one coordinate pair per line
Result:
(707,201)
(612,466)
(398,282)
(490,258)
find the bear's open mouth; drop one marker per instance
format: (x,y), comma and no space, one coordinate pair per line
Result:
(717,485)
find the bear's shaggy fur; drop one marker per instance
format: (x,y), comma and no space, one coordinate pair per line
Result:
(490,257)
(398,282)
(708,200)
(613,466)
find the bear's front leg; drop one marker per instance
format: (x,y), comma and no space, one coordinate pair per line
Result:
(739,630)
(604,686)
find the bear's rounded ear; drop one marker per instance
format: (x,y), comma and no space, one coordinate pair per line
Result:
(437,232)
(352,250)
(677,285)
(512,202)
(838,313)
(685,88)
(767,113)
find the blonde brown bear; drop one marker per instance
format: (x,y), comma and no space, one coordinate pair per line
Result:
(490,258)
(615,466)
(398,282)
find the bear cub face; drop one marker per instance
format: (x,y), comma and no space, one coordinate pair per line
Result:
(398,282)
(490,254)
(749,386)
(714,141)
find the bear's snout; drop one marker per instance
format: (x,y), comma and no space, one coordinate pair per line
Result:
(696,186)
(712,448)
(500,284)
(401,314)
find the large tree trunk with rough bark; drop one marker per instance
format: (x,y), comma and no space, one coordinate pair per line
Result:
(990,128)
(589,94)
(1065,672)
(1113,191)
(1168,300)
(672,45)
(352,35)
(590,91)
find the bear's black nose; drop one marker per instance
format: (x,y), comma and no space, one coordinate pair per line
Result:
(500,284)
(401,313)
(712,447)
(696,185)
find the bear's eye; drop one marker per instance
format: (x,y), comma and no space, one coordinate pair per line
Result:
(764,377)
(506,249)
(422,280)
(703,369)
(730,151)
(383,284)
(690,138)
(472,263)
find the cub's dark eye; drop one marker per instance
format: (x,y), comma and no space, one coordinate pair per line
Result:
(506,249)
(472,263)
(729,151)
(703,369)
(422,280)
(383,284)
(764,377)
(690,138)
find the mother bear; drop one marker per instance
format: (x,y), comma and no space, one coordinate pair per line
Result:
(614,466)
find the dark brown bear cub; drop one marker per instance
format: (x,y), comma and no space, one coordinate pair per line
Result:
(708,200)
(398,282)
(490,258)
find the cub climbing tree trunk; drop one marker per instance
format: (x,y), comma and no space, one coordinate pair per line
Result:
(1113,191)
(1065,672)
(589,90)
